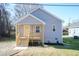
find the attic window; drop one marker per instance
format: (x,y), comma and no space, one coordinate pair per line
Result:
(37,29)
(53,27)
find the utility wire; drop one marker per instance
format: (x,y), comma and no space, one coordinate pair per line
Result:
(56,4)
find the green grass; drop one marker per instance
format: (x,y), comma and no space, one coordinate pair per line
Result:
(69,43)
(7,39)
(73,43)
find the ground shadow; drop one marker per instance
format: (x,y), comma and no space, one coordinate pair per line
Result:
(69,43)
(66,46)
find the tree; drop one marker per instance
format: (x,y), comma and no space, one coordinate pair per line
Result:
(5,23)
(22,9)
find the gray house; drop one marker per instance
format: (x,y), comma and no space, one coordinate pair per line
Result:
(51,29)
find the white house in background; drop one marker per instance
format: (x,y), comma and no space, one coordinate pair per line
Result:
(74,29)
(52,24)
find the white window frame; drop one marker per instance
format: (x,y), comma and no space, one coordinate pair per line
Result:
(39,28)
(53,27)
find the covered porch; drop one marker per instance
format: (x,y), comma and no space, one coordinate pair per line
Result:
(29,32)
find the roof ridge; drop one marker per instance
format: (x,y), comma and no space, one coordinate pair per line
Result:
(47,12)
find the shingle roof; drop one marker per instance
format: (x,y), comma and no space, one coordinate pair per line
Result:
(43,14)
(39,14)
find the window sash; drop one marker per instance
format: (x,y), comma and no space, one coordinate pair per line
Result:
(37,29)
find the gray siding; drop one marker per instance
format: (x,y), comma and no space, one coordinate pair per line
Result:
(50,35)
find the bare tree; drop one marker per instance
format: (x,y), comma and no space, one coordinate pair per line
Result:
(21,9)
(5,23)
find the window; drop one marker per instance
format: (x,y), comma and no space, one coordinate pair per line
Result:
(53,27)
(37,29)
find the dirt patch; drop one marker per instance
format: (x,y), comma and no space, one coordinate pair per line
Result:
(7,48)
(47,51)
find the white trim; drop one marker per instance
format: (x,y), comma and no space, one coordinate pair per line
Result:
(34,10)
(53,27)
(38,19)
(46,12)
(33,17)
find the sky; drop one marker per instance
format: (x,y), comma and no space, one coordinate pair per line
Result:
(66,13)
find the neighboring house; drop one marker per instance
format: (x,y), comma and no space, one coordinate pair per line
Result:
(73,29)
(39,26)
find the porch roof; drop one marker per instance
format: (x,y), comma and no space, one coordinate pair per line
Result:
(30,19)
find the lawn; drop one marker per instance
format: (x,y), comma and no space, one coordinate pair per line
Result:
(70,48)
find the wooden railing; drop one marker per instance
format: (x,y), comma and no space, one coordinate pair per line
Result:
(34,37)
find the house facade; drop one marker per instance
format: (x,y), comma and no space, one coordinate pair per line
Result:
(73,29)
(44,27)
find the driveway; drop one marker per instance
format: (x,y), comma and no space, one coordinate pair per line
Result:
(7,48)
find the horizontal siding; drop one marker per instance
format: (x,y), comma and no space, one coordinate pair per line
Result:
(49,35)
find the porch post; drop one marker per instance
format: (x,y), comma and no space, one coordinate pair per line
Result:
(43,37)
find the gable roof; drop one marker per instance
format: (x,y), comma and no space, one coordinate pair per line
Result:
(30,19)
(44,12)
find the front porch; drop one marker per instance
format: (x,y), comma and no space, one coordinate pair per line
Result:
(26,35)
(29,29)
